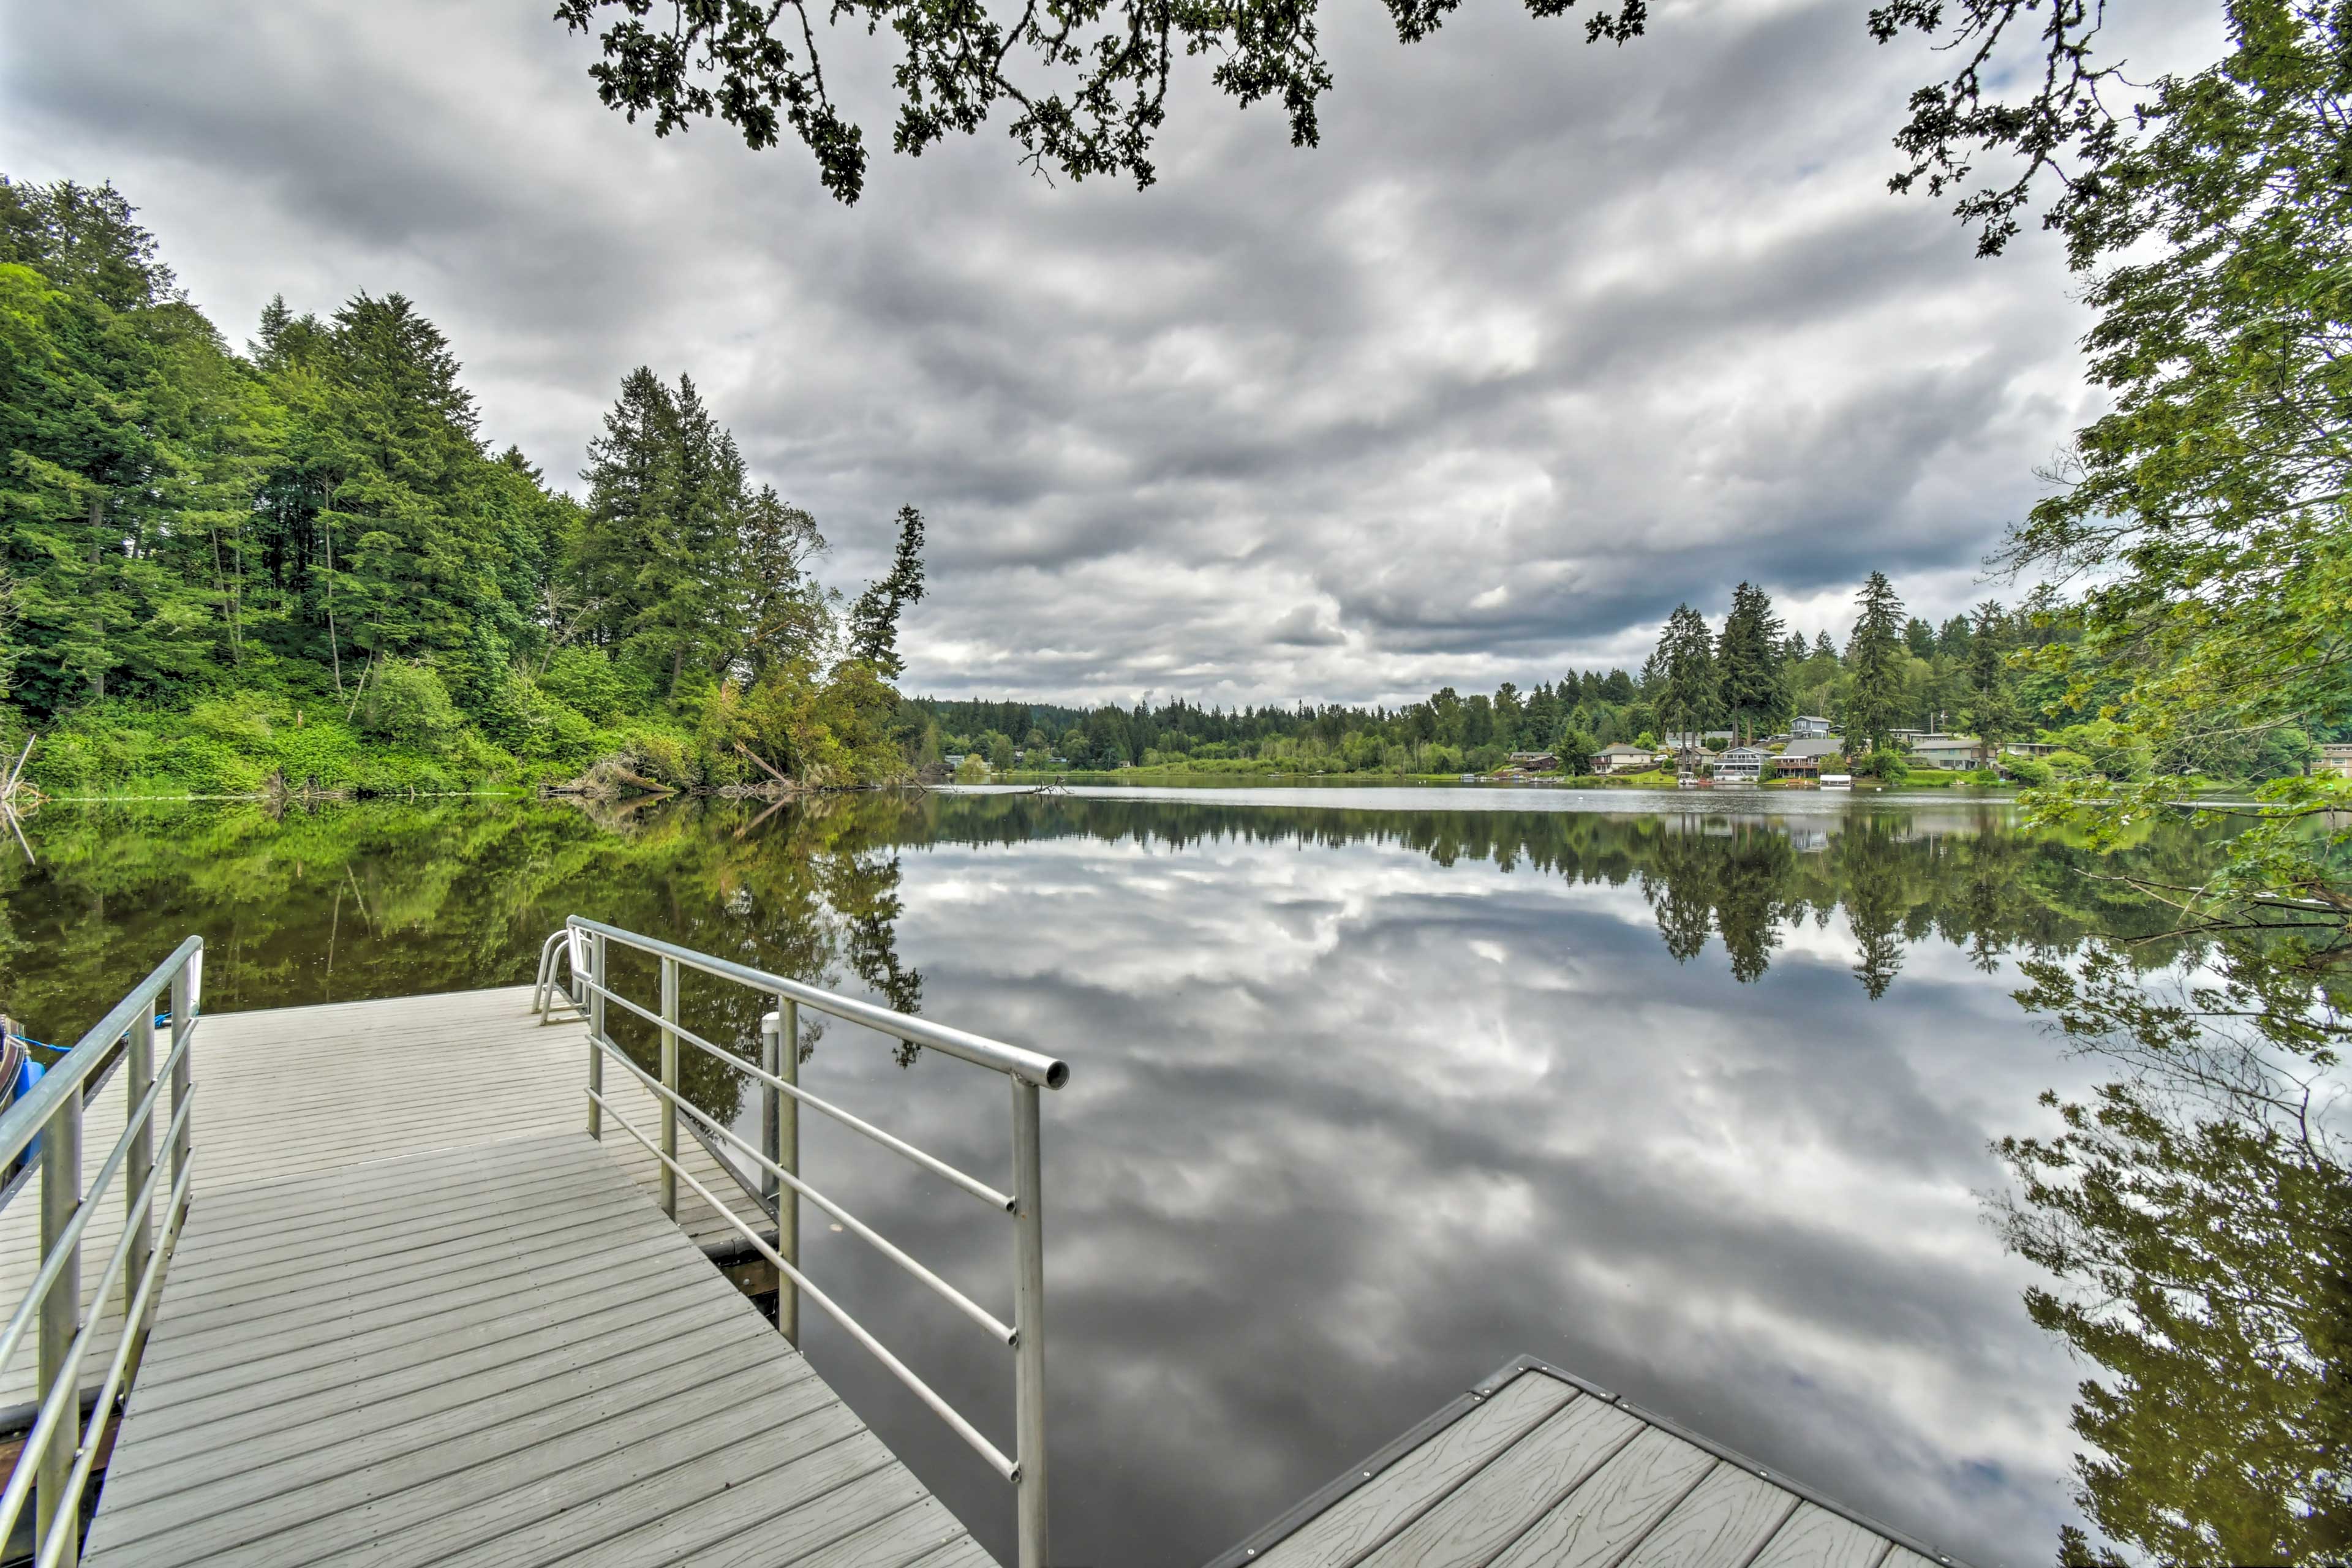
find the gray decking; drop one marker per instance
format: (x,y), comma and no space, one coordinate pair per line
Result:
(297,1091)
(418,1317)
(1537,1468)
(504,1356)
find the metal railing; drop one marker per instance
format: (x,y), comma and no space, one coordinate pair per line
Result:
(583,946)
(46,1124)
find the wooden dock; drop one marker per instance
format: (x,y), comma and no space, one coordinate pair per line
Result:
(407,1327)
(1535,1468)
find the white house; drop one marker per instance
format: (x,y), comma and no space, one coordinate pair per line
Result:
(1621,759)
(1741,764)
(1810,726)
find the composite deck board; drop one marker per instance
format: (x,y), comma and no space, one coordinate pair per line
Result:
(291,1093)
(1816,1537)
(1597,1522)
(628,1416)
(1401,1493)
(1537,1468)
(1491,1509)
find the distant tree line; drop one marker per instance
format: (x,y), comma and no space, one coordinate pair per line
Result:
(304,561)
(1748,677)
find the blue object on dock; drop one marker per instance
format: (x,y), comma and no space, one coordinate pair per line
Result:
(28,1073)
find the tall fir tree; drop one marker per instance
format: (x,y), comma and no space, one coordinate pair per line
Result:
(1990,710)
(1688,697)
(1874,655)
(660,548)
(1755,688)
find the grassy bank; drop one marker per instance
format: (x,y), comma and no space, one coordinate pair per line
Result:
(251,744)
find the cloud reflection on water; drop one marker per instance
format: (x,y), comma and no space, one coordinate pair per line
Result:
(1350,1127)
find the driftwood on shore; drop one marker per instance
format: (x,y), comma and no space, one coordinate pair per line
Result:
(19,799)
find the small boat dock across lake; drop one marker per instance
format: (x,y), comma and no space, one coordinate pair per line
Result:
(280,1295)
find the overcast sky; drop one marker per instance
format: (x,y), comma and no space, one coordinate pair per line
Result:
(1542,340)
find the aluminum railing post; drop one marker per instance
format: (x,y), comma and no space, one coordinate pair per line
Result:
(669,1082)
(787,1153)
(60,1321)
(596,1033)
(139,1067)
(772,1055)
(1029,1323)
(184,999)
(780,1143)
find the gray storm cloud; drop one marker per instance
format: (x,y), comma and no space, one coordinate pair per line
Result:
(1541,341)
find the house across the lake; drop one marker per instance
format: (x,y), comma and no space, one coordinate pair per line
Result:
(1802,759)
(1535,762)
(1740,764)
(1621,759)
(1685,741)
(2334,759)
(1961,753)
(1810,726)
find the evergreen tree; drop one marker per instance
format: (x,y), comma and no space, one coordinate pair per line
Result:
(661,549)
(1919,638)
(1991,712)
(1875,657)
(1688,696)
(874,619)
(131,435)
(84,239)
(1755,688)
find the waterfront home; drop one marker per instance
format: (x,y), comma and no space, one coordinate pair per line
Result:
(2336,759)
(1810,726)
(1622,758)
(1740,764)
(1535,762)
(1803,759)
(1960,753)
(1685,740)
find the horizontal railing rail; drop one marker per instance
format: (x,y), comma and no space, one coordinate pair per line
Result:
(582,948)
(45,1124)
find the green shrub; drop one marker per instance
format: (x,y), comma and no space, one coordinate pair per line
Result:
(585,680)
(2031,771)
(407,704)
(663,757)
(240,718)
(1886,766)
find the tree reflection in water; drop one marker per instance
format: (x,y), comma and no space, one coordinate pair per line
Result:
(2193,1212)
(2197,1215)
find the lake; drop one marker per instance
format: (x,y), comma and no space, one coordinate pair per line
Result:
(1373,1089)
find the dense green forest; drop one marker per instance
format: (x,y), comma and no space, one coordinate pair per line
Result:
(301,565)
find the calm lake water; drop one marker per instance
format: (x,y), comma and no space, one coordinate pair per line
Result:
(1372,1090)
